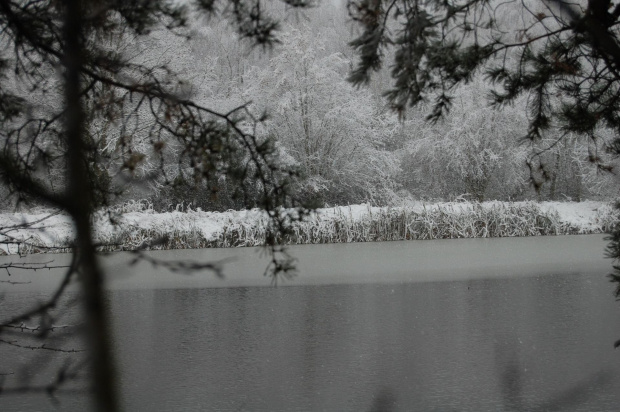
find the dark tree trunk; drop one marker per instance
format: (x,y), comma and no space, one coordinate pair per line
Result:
(79,197)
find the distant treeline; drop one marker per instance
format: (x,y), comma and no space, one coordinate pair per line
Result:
(347,144)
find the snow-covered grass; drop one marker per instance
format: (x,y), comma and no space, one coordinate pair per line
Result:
(135,224)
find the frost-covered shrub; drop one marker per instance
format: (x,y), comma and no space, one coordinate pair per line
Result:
(475,150)
(326,126)
(566,160)
(478,152)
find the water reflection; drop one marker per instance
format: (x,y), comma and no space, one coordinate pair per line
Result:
(384,401)
(535,343)
(518,344)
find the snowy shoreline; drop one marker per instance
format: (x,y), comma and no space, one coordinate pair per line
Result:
(133,225)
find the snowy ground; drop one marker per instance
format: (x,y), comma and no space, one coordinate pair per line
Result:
(43,229)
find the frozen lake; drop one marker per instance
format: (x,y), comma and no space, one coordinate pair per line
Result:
(451,325)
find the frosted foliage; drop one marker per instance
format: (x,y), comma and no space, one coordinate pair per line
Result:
(474,151)
(346,142)
(326,125)
(565,158)
(131,134)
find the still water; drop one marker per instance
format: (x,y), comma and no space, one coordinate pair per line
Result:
(464,329)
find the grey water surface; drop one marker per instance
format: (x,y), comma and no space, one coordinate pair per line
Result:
(522,324)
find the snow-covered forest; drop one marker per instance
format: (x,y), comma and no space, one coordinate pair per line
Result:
(350,146)
(347,144)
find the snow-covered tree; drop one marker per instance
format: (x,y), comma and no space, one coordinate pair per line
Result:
(327,127)
(473,151)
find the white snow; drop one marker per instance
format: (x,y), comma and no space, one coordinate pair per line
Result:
(51,229)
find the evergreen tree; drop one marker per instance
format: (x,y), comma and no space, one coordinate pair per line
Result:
(564,56)
(72,82)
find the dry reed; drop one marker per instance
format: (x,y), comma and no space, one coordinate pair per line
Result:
(341,225)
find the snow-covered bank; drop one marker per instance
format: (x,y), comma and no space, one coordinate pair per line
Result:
(124,229)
